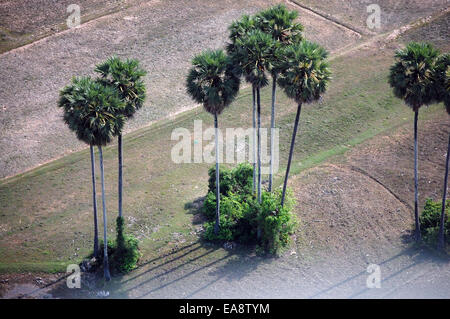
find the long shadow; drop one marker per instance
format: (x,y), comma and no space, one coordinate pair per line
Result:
(418,255)
(185,276)
(387,278)
(173,252)
(234,269)
(170,271)
(164,263)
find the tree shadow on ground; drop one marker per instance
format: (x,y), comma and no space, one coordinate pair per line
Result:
(195,208)
(166,272)
(416,256)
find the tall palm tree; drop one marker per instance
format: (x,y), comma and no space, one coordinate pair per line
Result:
(254,52)
(213,82)
(411,80)
(442,81)
(278,21)
(304,78)
(94,112)
(127,78)
(71,106)
(238,29)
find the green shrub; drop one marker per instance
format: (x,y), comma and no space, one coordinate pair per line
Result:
(127,254)
(123,253)
(241,216)
(237,180)
(209,206)
(276,223)
(225,177)
(430,219)
(243,178)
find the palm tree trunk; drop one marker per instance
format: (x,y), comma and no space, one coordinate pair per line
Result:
(291,151)
(254,138)
(105,224)
(120,173)
(444,199)
(258,101)
(217,225)
(94,200)
(416,180)
(272,126)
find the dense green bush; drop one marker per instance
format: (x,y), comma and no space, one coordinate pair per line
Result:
(124,252)
(241,216)
(430,221)
(237,180)
(127,253)
(276,222)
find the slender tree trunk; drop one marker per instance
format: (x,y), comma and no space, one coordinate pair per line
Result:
(416,181)
(254,138)
(444,199)
(120,173)
(217,225)
(105,223)
(272,129)
(258,101)
(291,151)
(94,201)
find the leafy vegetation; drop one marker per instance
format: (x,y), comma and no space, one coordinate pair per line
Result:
(430,222)
(242,217)
(124,252)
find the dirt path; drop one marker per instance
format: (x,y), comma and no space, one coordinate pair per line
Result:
(327,17)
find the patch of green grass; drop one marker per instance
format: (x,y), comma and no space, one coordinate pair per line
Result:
(48,267)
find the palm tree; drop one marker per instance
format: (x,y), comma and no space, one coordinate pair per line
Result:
(304,78)
(127,78)
(278,21)
(254,52)
(238,29)
(442,81)
(70,104)
(213,82)
(411,80)
(94,112)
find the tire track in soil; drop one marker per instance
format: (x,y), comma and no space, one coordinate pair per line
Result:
(330,19)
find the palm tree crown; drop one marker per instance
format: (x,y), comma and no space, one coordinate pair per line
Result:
(239,29)
(92,110)
(411,75)
(442,79)
(253,55)
(126,76)
(212,82)
(305,73)
(278,21)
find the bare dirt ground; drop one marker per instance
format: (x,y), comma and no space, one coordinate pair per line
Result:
(163,35)
(349,220)
(393,13)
